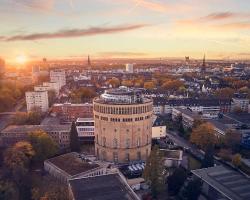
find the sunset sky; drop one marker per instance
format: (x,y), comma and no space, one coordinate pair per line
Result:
(124,28)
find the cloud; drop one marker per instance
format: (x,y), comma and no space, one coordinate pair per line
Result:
(69,33)
(219,16)
(155,6)
(43,5)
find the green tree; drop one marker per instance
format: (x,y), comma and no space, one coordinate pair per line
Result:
(74,141)
(176,180)
(153,172)
(191,190)
(208,160)
(43,145)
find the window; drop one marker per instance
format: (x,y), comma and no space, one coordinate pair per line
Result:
(104,141)
(138,142)
(127,157)
(127,143)
(138,155)
(115,157)
(115,143)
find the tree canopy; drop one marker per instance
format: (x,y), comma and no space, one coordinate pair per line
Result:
(204,135)
(153,172)
(43,145)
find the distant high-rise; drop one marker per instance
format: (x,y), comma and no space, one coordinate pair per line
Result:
(129,68)
(58,76)
(2,66)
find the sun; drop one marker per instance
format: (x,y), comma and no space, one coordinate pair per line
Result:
(21,59)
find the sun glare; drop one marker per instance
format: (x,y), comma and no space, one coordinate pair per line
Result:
(21,59)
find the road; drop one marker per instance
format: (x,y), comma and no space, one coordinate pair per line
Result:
(192,149)
(6,119)
(185,144)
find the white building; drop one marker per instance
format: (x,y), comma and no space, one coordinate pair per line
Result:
(37,99)
(129,68)
(240,101)
(52,86)
(85,129)
(58,76)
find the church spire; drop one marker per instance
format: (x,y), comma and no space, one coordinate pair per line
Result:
(204,61)
(89,63)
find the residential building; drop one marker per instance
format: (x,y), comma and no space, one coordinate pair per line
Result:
(37,100)
(158,129)
(16,133)
(123,125)
(69,112)
(58,76)
(209,108)
(223,183)
(85,129)
(188,116)
(240,101)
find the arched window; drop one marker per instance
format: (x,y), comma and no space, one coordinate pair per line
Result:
(115,143)
(127,143)
(138,142)
(104,141)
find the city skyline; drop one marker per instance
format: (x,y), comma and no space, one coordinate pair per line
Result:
(120,29)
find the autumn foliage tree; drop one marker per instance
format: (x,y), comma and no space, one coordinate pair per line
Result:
(114,82)
(43,145)
(172,85)
(204,135)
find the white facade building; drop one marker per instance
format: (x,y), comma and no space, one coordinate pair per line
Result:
(52,86)
(37,99)
(129,68)
(58,76)
(85,129)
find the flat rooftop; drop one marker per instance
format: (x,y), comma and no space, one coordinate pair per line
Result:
(30,128)
(105,187)
(230,183)
(72,164)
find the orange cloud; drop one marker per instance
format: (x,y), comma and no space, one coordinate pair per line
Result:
(74,33)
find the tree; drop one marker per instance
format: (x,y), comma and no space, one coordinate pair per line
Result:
(7,191)
(208,160)
(176,180)
(31,118)
(114,82)
(226,93)
(149,85)
(191,190)
(153,172)
(128,83)
(43,145)
(172,85)
(232,140)
(74,141)
(26,148)
(236,160)
(204,135)
(16,160)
